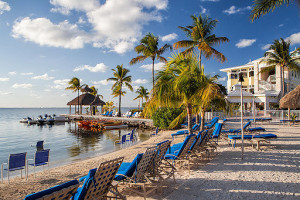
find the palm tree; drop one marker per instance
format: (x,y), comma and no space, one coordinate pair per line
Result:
(95,92)
(201,37)
(279,55)
(148,47)
(121,78)
(262,7)
(142,93)
(181,84)
(74,84)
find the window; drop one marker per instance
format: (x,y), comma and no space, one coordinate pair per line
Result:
(251,73)
(234,76)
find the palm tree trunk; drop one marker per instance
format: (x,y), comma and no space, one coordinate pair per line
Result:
(202,119)
(200,53)
(119,114)
(189,113)
(283,86)
(153,73)
(142,102)
(78,102)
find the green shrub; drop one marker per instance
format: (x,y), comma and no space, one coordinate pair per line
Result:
(163,117)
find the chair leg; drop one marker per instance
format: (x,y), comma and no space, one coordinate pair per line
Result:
(2,173)
(8,175)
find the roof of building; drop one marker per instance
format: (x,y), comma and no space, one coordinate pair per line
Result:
(87,99)
(291,99)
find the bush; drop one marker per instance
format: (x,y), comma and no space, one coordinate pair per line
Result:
(163,117)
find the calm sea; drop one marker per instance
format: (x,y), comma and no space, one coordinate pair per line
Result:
(67,143)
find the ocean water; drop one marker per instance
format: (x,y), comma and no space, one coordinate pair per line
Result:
(67,142)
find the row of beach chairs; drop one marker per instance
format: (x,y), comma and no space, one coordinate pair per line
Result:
(127,114)
(146,173)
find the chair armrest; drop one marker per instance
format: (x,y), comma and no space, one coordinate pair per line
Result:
(82,178)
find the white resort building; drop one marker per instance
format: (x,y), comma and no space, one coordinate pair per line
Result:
(266,87)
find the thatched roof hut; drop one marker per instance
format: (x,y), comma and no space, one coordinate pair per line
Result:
(87,99)
(292,99)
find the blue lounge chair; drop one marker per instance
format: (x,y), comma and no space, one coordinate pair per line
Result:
(122,141)
(179,152)
(58,192)
(128,168)
(41,158)
(212,123)
(139,182)
(107,112)
(237,130)
(156,132)
(249,137)
(15,162)
(97,183)
(110,114)
(40,145)
(185,132)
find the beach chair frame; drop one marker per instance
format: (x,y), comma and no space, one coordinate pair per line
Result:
(101,183)
(36,157)
(140,179)
(19,167)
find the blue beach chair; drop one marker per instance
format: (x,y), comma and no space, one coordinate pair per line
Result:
(97,183)
(122,141)
(249,137)
(40,145)
(212,123)
(185,132)
(128,168)
(58,192)
(237,130)
(15,162)
(41,158)
(156,132)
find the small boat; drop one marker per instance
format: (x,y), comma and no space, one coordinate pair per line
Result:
(25,120)
(40,120)
(49,120)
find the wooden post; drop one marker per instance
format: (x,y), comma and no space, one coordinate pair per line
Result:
(70,110)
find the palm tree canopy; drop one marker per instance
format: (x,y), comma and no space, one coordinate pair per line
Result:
(94,91)
(262,7)
(142,93)
(201,37)
(74,84)
(279,54)
(181,83)
(149,48)
(120,77)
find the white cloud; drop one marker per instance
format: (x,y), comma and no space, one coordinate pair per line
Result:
(68,5)
(101,67)
(47,90)
(222,79)
(60,84)
(12,73)
(4,7)
(234,10)
(203,10)
(45,77)
(102,82)
(280,25)
(294,38)
(157,67)
(245,43)
(6,93)
(26,74)
(81,20)
(43,32)
(265,47)
(22,85)
(169,37)
(140,81)
(64,95)
(4,79)
(116,25)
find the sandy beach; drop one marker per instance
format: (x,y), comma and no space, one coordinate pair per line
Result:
(271,173)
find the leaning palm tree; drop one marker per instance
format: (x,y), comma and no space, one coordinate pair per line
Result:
(142,93)
(121,78)
(279,55)
(262,7)
(181,84)
(200,36)
(74,84)
(148,48)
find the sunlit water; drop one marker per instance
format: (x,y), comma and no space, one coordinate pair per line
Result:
(67,142)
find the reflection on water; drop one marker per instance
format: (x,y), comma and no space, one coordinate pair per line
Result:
(89,139)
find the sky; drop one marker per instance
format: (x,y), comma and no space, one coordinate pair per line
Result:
(43,44)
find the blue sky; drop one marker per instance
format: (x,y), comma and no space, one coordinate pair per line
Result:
(43,44)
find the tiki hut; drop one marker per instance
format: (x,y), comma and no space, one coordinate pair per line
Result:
(291,100)
(87,99)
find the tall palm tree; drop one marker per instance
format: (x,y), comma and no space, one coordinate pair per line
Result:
(181,84)
(148,48)
(279,55)
(262,7)
(75,85)
(142,93)
(120,77)
(200,35)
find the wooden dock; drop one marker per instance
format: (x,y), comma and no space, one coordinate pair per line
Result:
(131,122)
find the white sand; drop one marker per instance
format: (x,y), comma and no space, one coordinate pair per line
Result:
(272,173)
